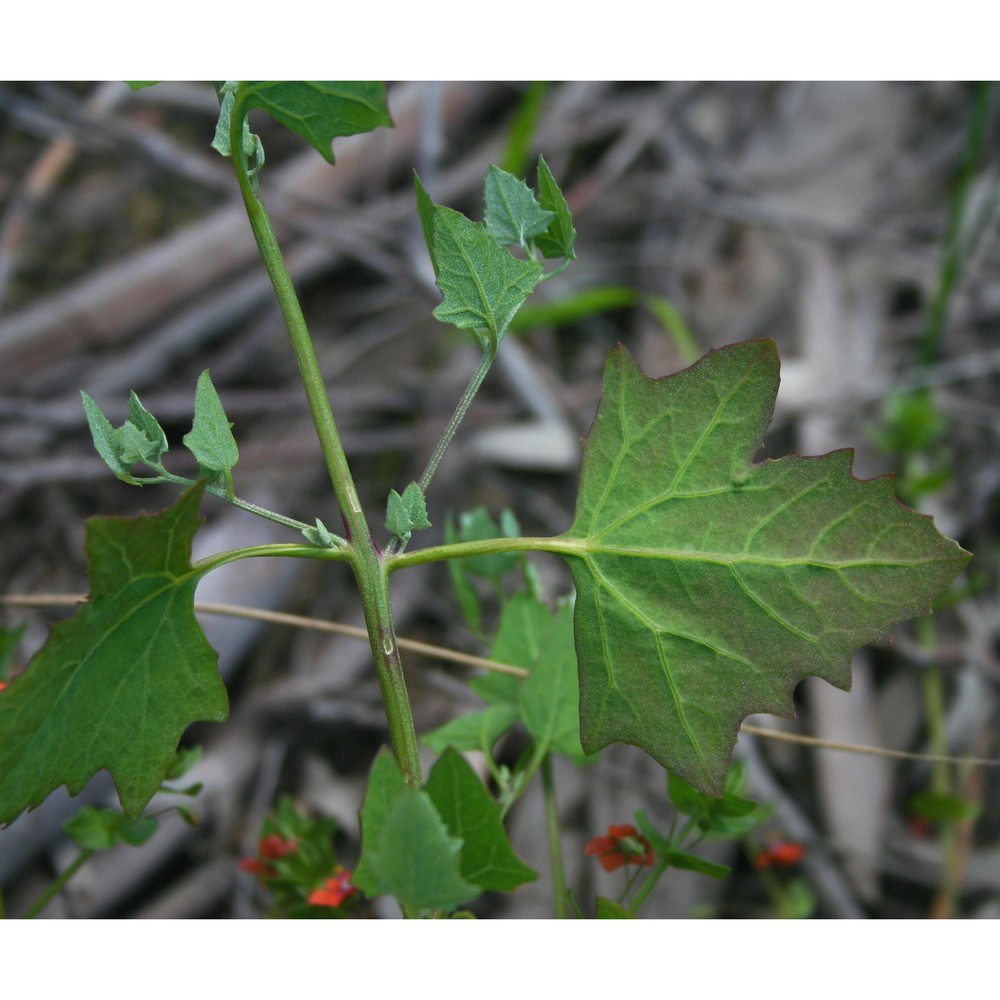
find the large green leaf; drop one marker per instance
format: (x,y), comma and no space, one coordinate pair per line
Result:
(470,812)
(482,284)
(321,111)
(709,586)
(117,684)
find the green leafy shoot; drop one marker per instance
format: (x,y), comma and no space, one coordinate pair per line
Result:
(252,149)
(99,829)
(482,284)
(139,439)
(211,439)
(319,536)
(407,513)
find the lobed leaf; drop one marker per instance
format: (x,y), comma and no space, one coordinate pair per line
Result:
(211,439)
(116,685)
(513,216)
(709,586)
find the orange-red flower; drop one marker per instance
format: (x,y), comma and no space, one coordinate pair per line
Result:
(781,854)
(623,845)
(335,890)
(268,848)
(2,685)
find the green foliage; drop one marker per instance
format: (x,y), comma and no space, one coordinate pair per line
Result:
(406,849)
(211,439)
(707,586)
(559,239)
(513,216)
(608,909)
(116,685)
(98,829)
(470,813)
(319,536)
(482,284)
(474,730)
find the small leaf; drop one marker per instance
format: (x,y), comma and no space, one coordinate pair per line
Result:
(184,760)
(107,440)
(116,685)
(135,446)
(560,237)
(482,284)
(148,424)
(142,84)
(319,536)
(608,909)
(708,586)
(938,807)
(692,863)
(99,829)
(406,850)
(210,439)
(407,513)
(513,215)
(470,812)
(320,111)
(474,730)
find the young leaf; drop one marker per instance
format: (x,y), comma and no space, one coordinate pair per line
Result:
(320,111)
(141,418)
(608,909)
(99,829)
(513,216)
(470,812)
(407,513)
(319,536)
(210,439)
(406,850)
(107,440)
(133,662)
(482,284)
(559,238)
(708,586)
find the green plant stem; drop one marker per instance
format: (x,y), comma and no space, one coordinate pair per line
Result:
(559,899)
(252,508)
(368,567)
(647,887)
(57,886)
(486,362)
(486,547)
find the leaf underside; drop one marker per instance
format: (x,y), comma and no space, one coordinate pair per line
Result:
(321,111)
(116,685)
(708,586)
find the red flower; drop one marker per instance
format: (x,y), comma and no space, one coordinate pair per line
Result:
(257,867)
(268,848)
(335,890)
(2,685)
(623,845)
(781,854)
(275,846)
